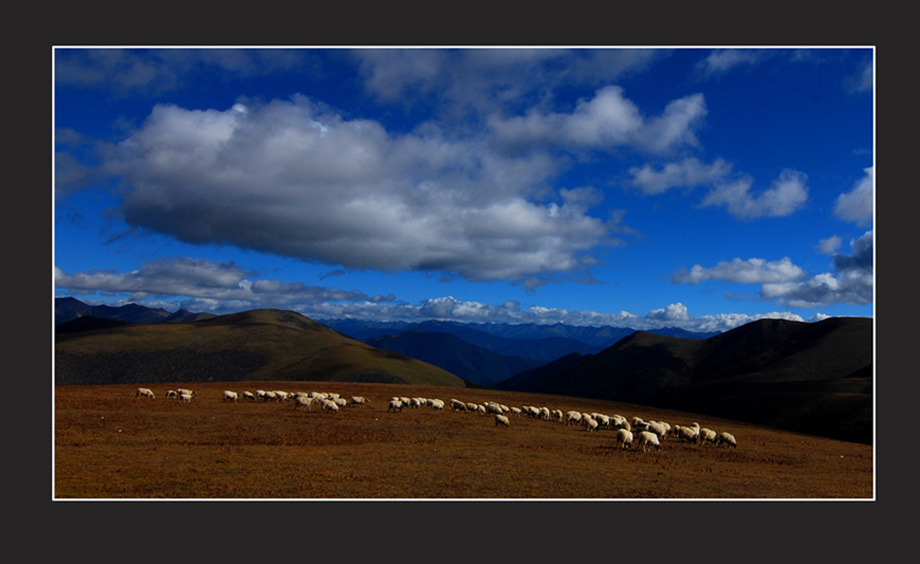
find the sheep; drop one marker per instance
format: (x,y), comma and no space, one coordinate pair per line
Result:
(706,436)
(502,420)
(726,438)
(359,400)
(436,404)
(172,394)
(658,428)
(648,439)
(145,393)
(457,405)
(249,395)
(329,405)
(620,422)
(396,404)
(303,401)
(341,402)
(591,423)
(624,438)
(185,391)
(185,397)
(230,396)
(517,411)
(415,403)
(572,417)
(688,434)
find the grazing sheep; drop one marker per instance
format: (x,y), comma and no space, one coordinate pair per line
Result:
(172,394)
(688,434)
(303,401)
(726,438)
(145,393)
(706,436)
(572,417)
(249,395)
(517,411)
(359,400)
(436,404)
(502,420)
(329,405)
(624,438)
(648,439)
(230,396)
(590,423)
(395,405)
(657,428)
(457,405)
(185,391)
(185,397)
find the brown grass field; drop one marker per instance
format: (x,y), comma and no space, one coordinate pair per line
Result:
(109,444)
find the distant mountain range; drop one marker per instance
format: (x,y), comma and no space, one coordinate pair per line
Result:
(68,309)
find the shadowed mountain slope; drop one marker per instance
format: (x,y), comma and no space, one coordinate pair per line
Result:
(808,377)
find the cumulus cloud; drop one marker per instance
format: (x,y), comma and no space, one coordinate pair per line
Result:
(750,271)
(295,179)
(851,282)
(605,122)
(220,286)
(785,196)
(857,205)
(723,60)
(687,173)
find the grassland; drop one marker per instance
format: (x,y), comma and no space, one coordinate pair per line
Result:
(110,444)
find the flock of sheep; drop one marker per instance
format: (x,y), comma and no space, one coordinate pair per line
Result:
(634,432)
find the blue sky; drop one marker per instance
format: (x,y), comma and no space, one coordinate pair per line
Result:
(700,188)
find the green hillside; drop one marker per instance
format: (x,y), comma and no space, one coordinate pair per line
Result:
(265,344)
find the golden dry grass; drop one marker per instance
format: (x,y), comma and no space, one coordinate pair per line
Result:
(109,444)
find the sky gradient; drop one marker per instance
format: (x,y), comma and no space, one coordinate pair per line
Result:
(700,188)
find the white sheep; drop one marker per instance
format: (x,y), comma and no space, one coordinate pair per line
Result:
(186,391)
(329,405)
(185,397)
(726,438)
(572,417)
(688,434)
(172,394)
(502,420)
(359,400)
(230,396)
(145,393)
(624,438)
(249,395)
(303,401)
(396,404)
(436,404)
(457,405)
(590,423)
(658,428)
(706,436)
(648,439)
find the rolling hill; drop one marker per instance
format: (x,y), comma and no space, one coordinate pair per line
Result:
(265,344)
(814,378)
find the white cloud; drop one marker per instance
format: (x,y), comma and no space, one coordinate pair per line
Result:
(830,245)
(724,60)
(211,285)
(785,196)
(857,205)
(605,122)
(687,173)
(738,271)
(852,281)
(293,178)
